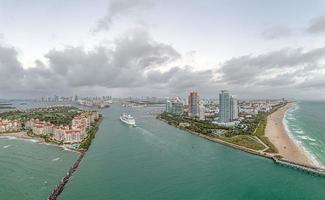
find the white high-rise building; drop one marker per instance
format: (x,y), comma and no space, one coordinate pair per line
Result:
(168,105)
(234,108)
(202,112)
(175,106)
(228,107)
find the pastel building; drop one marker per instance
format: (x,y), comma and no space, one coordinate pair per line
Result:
(193,104)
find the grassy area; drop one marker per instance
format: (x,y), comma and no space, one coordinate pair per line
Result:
(272,148)
(260,130)
(243,140)
(204,127)
(207,128)
(57,116)
(255,127)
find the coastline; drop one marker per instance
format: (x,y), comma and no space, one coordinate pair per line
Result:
(23,136)
(278,134)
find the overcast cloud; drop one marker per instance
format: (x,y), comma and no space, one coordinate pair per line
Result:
(154,60)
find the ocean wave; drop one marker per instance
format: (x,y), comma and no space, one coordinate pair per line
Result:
(55,159)
(304,137)
(313,144)
(6,146)
(310,154)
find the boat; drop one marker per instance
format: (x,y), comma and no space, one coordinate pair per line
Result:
(128,119)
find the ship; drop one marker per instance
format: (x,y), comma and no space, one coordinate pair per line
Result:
(128,119)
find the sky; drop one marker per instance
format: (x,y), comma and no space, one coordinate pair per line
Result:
(254,48)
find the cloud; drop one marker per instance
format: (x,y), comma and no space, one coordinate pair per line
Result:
(283,68)
(276,32)
(317,25)
(118,8)
(136,64)
(123,64)
(11,71)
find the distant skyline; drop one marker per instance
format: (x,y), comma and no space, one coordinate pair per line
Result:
(255,48)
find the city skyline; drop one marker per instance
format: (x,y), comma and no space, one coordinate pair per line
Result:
(131,48)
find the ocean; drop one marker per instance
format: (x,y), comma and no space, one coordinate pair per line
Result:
(156,161)
(305,122)
(152,161)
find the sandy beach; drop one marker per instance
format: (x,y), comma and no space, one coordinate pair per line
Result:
(22,135)
(276,132)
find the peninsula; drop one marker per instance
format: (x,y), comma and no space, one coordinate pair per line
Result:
(261,133)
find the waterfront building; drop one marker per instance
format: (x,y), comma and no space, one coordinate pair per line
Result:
(193,104)
(224,107)
(9,125)
(234,107)
(228,107)
(168,108)
(67,134)
(175,106)
(202,112)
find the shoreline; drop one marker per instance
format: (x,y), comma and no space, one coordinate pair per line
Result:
(279,135)
(23,136)
(314,161)
(225,143)
(308,166)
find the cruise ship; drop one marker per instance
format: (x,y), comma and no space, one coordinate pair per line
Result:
(128,119)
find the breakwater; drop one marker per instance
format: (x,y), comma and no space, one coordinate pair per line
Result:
(298,166)
(60,187)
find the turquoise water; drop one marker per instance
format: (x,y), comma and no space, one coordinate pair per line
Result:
(29,171)
(156,161)
(306,122)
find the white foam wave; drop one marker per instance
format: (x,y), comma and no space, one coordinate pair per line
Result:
(313,144)
(299,143)
(55,159)
(306,138)
(6,146)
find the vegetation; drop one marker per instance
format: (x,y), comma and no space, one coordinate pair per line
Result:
(204,127)
(207,128)
(243,140)
(272,148)
(254,126)
(56,115)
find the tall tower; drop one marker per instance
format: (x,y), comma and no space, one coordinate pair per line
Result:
(224,107)
(234,108)
(193,104)
(228,107)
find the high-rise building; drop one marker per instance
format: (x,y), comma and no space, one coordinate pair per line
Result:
(193,104)
(175,106)
(228,107)
(168,105)
(202,112)
(234,107)
(224,107)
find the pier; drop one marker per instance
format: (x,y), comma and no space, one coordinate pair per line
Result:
(308,169)
(60,187)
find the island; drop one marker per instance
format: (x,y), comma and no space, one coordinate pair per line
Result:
(66,126)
